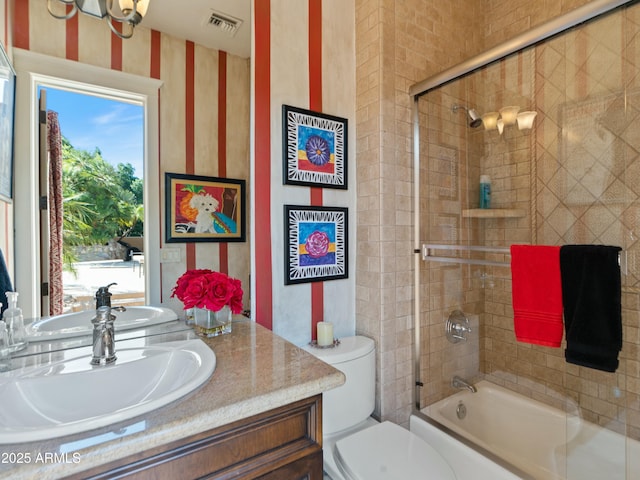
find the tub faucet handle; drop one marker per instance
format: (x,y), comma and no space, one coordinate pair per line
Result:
(457,327)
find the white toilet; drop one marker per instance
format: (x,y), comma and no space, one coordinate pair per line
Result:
(357,447)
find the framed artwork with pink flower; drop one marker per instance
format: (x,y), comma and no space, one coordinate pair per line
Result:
(204,209)
(315,148)
(316,243)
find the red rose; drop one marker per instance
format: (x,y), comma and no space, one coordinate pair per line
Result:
(236,300)
(183,282)
(218,293)
(195,292)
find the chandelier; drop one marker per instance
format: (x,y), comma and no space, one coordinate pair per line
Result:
(129,12)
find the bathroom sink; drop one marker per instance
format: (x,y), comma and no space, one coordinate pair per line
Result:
(79,323)
(70,396)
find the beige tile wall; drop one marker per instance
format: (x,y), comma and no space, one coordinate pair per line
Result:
(397,44)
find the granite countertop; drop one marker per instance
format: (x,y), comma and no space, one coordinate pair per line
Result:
(256,371)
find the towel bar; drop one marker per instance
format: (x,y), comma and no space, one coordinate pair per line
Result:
(622,261)
(429,249)
(428,254)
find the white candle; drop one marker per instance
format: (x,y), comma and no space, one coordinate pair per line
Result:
(325,334)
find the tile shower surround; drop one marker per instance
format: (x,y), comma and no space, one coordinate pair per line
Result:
(399,43)
(577,175)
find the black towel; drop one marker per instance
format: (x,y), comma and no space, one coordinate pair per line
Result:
(5,282)
(592,307)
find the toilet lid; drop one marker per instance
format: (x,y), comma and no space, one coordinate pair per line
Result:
(349,349)
(389,452)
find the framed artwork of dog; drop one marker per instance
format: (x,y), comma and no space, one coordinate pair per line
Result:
(316,243)
(314,149)
(204,209)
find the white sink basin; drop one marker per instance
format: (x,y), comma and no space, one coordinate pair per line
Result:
(79,323)
(71,396)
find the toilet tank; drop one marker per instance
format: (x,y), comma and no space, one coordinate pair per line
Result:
(354,401)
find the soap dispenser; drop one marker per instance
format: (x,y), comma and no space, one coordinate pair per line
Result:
(5,351)
(15,323)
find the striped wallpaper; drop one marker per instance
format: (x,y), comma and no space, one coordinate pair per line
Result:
(303,55)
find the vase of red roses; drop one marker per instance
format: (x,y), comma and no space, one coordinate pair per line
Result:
(213,297)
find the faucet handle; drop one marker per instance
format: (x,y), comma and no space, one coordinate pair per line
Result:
(457,327)
(103,296)
(105,290)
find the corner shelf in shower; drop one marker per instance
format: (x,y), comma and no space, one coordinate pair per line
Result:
(494,213)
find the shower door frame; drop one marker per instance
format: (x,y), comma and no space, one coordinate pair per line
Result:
(531,37)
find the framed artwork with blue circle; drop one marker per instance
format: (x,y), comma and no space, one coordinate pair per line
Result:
(316,243)
(315,148)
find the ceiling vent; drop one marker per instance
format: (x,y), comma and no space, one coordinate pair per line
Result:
(226,23)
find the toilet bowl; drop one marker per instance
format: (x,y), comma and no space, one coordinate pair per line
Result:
(356,446)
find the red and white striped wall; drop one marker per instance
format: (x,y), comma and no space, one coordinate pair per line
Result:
(304,55)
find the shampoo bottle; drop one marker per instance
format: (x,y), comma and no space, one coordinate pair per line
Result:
(15,322)
(485,191)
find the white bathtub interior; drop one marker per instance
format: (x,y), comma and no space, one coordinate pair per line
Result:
(543,441)
(466,462)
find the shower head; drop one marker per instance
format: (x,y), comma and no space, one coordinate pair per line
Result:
(476,121)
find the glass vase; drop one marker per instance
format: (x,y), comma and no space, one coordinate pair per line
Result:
(208,323)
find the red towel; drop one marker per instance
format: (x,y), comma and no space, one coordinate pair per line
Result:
(537,294)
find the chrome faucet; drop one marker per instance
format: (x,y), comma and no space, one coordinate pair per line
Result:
(104,343)
(459,382)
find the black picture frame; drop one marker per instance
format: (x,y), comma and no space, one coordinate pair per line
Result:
(314,148)
(316,243)
(219,216)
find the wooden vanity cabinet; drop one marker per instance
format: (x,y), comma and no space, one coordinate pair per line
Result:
(280,444)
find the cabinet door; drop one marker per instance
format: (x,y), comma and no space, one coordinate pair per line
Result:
(282,444)
(306,468)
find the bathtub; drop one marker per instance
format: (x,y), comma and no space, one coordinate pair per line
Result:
(536,440)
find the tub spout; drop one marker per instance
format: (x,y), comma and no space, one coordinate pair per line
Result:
(458,382)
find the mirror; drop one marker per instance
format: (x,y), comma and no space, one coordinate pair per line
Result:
(183,133)
(7,87)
